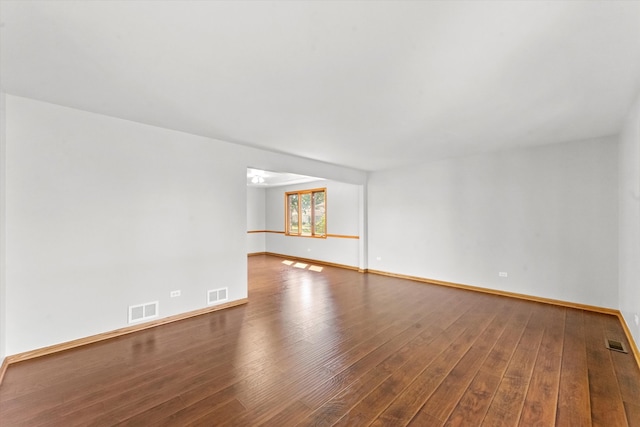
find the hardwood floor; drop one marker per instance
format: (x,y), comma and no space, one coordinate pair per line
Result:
(339,347)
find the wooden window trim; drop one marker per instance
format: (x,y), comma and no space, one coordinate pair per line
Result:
(299,193)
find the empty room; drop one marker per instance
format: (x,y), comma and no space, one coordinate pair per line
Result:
(354,213)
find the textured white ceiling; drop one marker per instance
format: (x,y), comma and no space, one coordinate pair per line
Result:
(370,85)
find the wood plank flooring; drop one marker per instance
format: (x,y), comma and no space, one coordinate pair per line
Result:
(338,347)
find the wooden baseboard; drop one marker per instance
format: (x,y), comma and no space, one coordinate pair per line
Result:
(632,343)
(343,236)
(111,334)
(256,253)
(312,261)
(500,293)
(3,369)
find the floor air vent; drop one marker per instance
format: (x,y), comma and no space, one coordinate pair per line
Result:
(215,296)
(140,312)
(615,345)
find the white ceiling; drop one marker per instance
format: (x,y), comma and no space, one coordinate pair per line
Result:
(370,85)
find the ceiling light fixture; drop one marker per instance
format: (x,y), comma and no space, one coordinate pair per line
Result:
(257,180)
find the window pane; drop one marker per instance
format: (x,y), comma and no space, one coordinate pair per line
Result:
(305,203)
(319,213)
(293,213)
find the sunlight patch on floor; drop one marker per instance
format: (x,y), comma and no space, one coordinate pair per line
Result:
(302,265)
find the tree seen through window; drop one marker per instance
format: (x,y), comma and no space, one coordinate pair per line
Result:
(306,213)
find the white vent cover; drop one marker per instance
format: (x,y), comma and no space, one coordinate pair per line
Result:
(215,296)
(141,312)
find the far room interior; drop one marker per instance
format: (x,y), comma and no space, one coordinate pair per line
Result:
(333,235)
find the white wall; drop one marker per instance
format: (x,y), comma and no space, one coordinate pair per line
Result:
(105,213)
(102,213)
(343,217)
(256,217)
(3,299)
(629,287)
(547,216)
